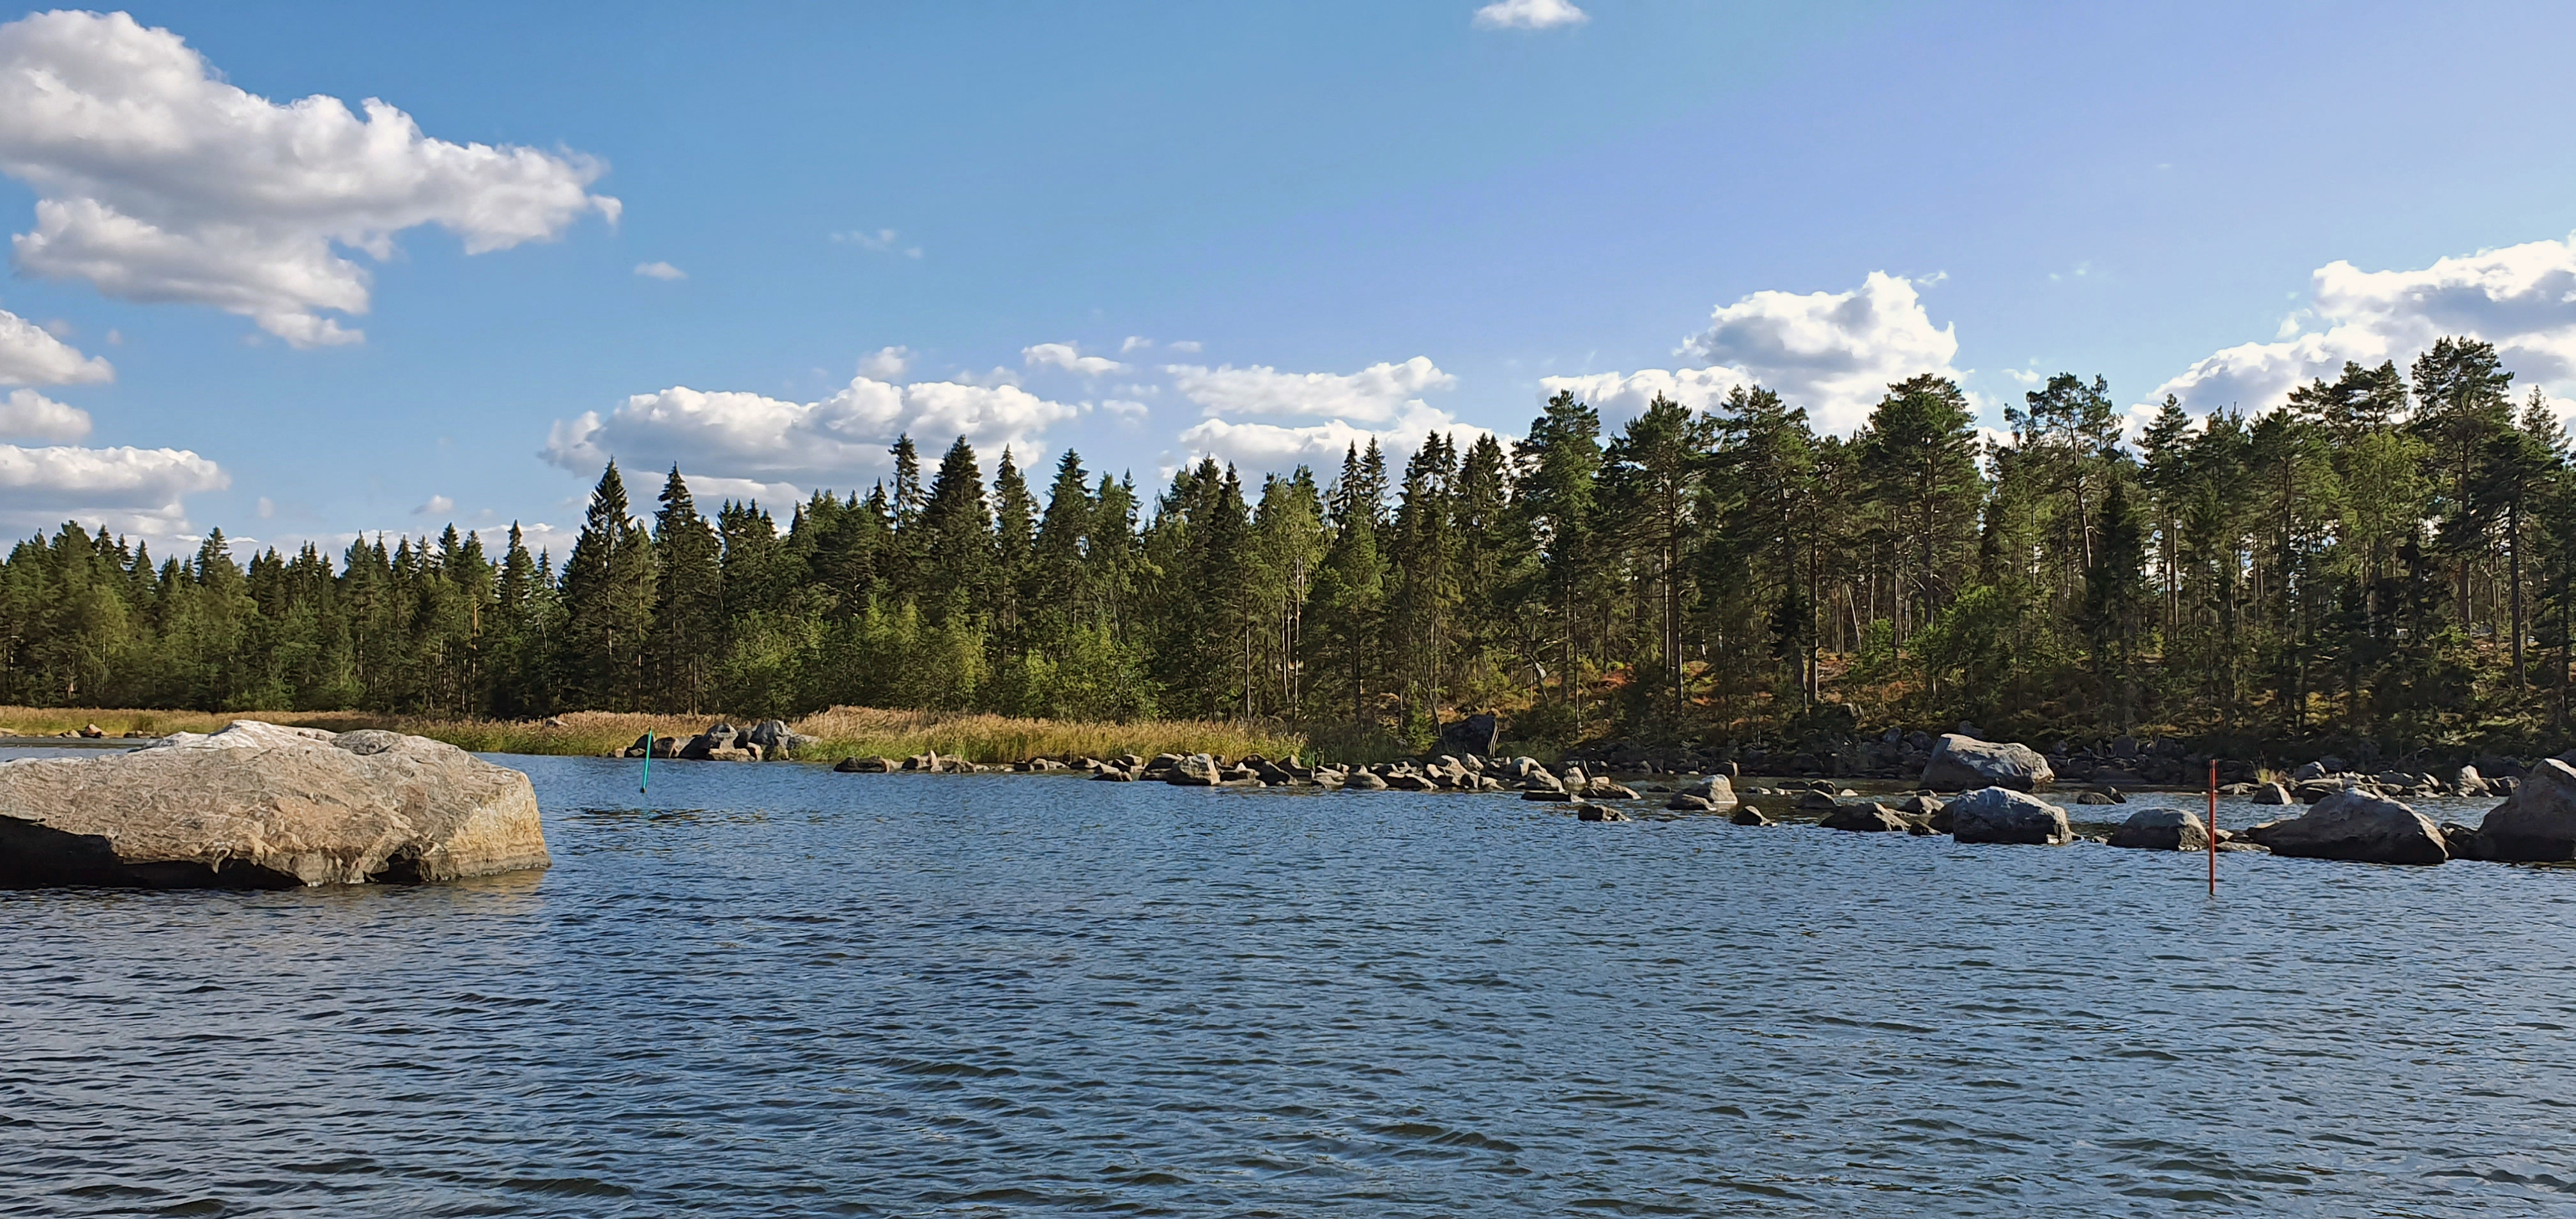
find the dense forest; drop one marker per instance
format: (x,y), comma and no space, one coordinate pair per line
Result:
(2388,556)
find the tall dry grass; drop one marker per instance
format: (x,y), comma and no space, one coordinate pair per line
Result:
(846,732)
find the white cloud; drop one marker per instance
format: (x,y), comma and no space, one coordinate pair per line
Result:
(28,415)
(437,504)
(886,363)
(1189,345)
(2521,298)
(735,435)
(659,270)
(266,508)
(882,241)
(32,355)
(1622,395)
(1529,15)
(158,181)
(1371,395)
(1069,357)
(1133,342)
(136,491)
(1832,353)
(710,491)
(1124,409)
(1270,446)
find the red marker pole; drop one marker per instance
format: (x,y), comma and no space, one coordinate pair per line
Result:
(2213,827)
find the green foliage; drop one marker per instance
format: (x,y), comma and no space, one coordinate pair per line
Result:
(2385,556)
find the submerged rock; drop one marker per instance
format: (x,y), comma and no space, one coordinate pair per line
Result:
(1998,814)
(1597,812)
(2162,829)
(2356,826)
(261,806)
(1961,763)
(2537,823)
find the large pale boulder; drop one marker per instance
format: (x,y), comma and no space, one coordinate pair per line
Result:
(2000,814)
(261,806)
(1964,763)
(2538,821)
(2359,826)
(1716,789)
(1196,770)
(2162,829)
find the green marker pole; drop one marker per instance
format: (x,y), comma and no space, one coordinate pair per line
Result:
(648,763)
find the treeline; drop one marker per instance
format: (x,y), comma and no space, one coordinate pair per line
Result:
(2390,556)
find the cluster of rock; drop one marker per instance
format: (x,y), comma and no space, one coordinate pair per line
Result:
(2327,776)
(768,740)
(89,732)
(263,806)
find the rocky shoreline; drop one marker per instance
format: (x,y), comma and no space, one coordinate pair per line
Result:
(1972,790)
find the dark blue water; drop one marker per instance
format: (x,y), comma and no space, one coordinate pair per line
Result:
(779,991)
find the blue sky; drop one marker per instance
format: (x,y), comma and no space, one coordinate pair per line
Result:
(1374,217)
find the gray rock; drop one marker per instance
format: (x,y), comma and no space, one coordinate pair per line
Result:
(261,806)
(1687,803)
(1196,770)
(1477,734)
(1961,763)
(1362,780)
(2313,770)
(2537,823)
(2162,829)
(2358,826)
(1716,789)
(1598,812)
(1864,819)
(2270,793)
(1746,814)
(1817,802)
(2000,814)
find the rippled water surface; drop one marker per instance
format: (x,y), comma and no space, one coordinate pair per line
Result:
(778,991)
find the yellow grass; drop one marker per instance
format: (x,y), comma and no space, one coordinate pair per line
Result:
(845,731)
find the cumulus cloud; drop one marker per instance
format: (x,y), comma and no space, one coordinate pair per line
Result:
(659,270)
(1270,446)
(129,490)
(709,491)
(886,363)
(736,435)
(28,415)
(436,504)
(158,181)
(2520,298)
(1371,395)
(33,355)
(1529,15)
(1833,353)
(1069,357)
(1134,341)
(1619,395)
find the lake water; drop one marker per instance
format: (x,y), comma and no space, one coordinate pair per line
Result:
(773,990)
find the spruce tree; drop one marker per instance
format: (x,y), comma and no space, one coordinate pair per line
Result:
(688,603)
(608,601)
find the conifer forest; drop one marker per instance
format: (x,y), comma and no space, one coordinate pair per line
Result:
(2388,556)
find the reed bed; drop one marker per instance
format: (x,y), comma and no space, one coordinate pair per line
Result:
(846,732)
